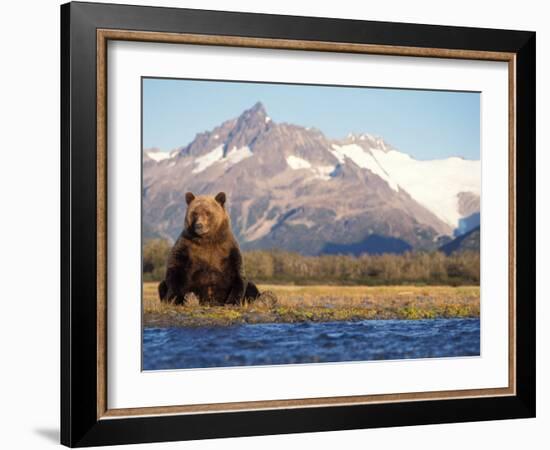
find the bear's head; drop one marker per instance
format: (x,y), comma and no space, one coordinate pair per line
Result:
(206,215)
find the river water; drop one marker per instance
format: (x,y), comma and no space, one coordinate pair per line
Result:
(308,342)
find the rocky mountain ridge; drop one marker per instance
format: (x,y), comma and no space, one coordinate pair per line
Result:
(293,188)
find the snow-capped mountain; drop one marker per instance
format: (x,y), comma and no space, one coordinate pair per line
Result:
(156,154)
(291,187)
(436,184)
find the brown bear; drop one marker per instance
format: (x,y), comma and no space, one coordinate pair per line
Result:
(206,260)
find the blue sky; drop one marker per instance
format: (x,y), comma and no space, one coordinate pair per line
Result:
(425,124)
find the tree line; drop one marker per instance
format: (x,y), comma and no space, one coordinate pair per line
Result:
(277,266)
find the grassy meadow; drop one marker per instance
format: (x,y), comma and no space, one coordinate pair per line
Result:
(418,285)
(319,303)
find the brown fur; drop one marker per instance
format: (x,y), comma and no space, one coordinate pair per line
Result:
(206,260)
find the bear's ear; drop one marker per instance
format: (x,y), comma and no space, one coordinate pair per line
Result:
(220,198)
(189,197)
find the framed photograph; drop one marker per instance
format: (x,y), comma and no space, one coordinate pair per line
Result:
(276,224)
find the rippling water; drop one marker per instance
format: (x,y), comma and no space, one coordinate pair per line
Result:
(287,343)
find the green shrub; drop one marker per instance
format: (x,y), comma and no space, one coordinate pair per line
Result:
(155,253)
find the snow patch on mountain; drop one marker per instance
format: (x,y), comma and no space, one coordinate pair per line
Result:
(296,163)
(434,184)
(159,156)
(205,161)
(364,159)
(324,172)
(320,172)
(236,155)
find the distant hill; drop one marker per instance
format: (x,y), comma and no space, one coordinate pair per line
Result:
(373,245)
(293,188)
(466,242)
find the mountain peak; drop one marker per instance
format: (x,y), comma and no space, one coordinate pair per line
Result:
(245,129)
(258,106)
(256,112)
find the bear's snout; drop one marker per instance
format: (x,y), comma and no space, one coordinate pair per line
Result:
(200,227)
